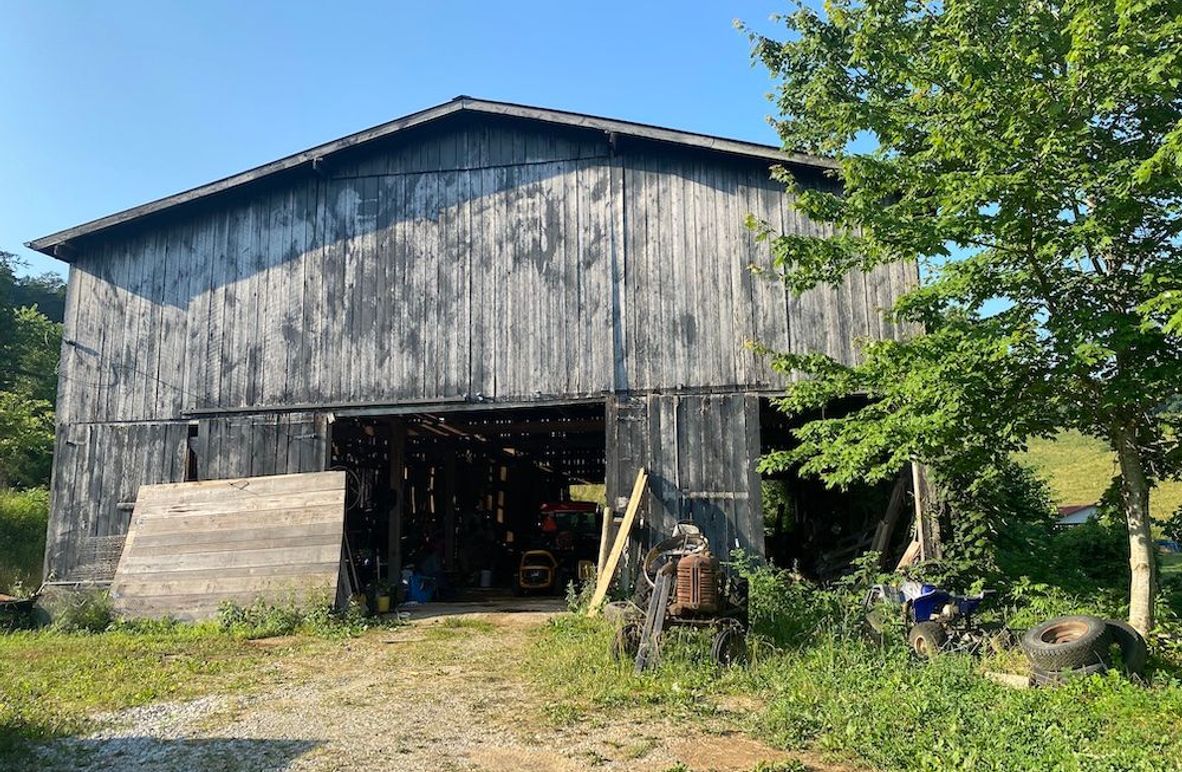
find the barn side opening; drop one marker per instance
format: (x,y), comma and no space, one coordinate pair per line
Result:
(445,505)
(818,531)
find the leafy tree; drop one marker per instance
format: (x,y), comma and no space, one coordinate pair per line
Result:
(1027,156)
(31,354)
(47,292)
(29,350)
(26,441)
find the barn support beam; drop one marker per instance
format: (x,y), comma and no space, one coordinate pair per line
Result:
(397,430)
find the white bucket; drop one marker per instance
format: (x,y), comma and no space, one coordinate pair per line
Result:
(485,578)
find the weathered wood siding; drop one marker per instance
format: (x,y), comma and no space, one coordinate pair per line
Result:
(473,259)
(700,450)
(99,467)
(501,261)
(255,445)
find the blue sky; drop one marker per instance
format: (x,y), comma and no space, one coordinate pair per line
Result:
(111,104)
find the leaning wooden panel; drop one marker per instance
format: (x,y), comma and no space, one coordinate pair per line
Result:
(275,538)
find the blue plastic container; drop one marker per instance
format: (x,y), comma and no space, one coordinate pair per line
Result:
(422,588)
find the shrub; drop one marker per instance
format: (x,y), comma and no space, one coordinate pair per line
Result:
(83,611)
(23,518)
(788,610)
(578,595)
(313,617)
(994,516)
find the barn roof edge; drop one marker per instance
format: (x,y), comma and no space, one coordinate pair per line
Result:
(57,244)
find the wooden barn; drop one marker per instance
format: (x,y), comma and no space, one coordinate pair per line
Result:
(467,310)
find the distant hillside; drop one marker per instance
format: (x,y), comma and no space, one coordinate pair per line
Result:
(1080,468)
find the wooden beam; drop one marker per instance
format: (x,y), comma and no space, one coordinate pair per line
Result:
(909,555)
(605,577)
(542,426)
(886,528)
(397,489)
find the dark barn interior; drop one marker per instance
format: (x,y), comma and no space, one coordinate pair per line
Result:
(816,530)
(459,496)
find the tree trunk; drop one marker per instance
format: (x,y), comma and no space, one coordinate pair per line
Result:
(1134,490)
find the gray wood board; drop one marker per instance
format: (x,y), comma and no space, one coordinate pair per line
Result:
(192,546)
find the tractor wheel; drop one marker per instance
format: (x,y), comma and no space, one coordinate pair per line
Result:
(626,643)
(1067,643)
(730,645)
(1133,651)
(926,639)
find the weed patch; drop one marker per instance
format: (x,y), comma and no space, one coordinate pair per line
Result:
(23,517)
(316,618)
(53,680)
(816,684)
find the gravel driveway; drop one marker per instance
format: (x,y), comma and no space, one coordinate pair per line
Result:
(434,695)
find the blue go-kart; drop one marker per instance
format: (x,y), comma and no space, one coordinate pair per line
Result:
(936,620)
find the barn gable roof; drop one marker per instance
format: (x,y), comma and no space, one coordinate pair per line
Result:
(56,244)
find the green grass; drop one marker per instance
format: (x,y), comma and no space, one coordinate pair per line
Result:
(876,706)
(1080,469)
(23,516)
(53,681)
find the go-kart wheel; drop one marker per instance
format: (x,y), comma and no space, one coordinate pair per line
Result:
(927,638)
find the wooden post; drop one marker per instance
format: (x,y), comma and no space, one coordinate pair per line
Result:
(886,528)
(604,580)
(397,490)
(449,511)
(606,530)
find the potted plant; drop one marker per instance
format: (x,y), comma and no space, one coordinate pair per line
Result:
(382,594)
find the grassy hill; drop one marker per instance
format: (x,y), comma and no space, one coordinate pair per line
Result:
(1080,468)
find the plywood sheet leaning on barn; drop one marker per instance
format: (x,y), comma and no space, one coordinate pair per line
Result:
(192,546)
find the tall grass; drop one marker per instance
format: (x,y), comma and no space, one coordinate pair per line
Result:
(817,684)
(23,518)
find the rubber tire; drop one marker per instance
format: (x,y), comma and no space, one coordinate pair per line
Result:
(1040,677)
(1090,647)
(1133,650)
(626,643)
(729,646)
(926,639)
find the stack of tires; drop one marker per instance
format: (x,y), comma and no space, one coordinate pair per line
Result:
(1081,645)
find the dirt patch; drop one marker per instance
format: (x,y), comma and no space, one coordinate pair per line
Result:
(734,752)
(440,693)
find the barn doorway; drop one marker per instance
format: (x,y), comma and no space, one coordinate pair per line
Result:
(462,504)
(818,531)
